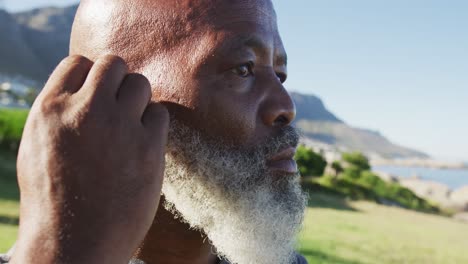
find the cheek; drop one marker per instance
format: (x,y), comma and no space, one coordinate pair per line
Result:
(220,107)
(231,116)
(230,109)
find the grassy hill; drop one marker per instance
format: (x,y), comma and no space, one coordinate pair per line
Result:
(9,201)
(9,212)
(340,232)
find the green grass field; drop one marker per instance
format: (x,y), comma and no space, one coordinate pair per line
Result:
(11,128)
(8,224)
(9,197)
(341,232)
(335,231)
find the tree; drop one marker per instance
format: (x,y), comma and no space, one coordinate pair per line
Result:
(309,162)
(357,160)
(336,166)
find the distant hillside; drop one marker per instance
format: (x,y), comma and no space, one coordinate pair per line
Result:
(320,125)
(16,54)
(310,107)
(32,43)
(47,30)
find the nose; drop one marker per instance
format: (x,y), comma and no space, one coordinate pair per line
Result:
(278,109)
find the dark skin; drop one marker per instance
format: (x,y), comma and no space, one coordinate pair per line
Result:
(222,74)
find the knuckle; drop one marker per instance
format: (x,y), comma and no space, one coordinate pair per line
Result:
(50,105)
(138,85)
(113,61)
(142,82)
(76,60)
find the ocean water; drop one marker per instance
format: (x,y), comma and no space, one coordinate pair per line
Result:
(451,177)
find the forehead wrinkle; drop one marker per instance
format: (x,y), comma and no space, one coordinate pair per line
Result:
(166,27)
(244,13)
(255,42)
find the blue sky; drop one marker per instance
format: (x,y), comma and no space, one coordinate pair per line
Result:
(396,66)
(399,66)
(21,5)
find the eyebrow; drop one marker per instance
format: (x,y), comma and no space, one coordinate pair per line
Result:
(254,42)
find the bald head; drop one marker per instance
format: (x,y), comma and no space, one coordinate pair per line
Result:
(134,30)
(140,30)
(171,42)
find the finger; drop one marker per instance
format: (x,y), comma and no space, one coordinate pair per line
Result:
(68,76)
(134,94)
(105,77)
(156,120)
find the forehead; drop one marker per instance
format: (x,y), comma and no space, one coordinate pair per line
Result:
(231,25)
(227,13)
(197,12)
(184,17)
(152,31)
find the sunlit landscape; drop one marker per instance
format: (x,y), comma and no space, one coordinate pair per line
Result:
(380,94)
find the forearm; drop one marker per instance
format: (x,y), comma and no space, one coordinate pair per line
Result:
(47,249)
(47,245)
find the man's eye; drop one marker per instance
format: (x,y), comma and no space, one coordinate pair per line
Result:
(244,70)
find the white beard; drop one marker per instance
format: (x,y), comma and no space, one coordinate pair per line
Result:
(227,193)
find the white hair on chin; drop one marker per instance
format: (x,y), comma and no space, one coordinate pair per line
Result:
(227,193)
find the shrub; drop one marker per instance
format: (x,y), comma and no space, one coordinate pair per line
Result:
(358,182)
(356,159)
(351,173)
(309,162)
(336,166)
(368,186)
(348,187)
(11,128)
(369,179)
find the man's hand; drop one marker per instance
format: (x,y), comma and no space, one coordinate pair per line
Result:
(90,165)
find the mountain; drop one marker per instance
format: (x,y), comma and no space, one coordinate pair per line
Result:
(311,107)
(33,42)
(323,128)
(16,55)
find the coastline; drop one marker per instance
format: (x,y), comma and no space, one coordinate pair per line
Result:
(453,197)
(421,163)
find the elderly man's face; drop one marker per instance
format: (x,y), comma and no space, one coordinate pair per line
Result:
(231,75)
